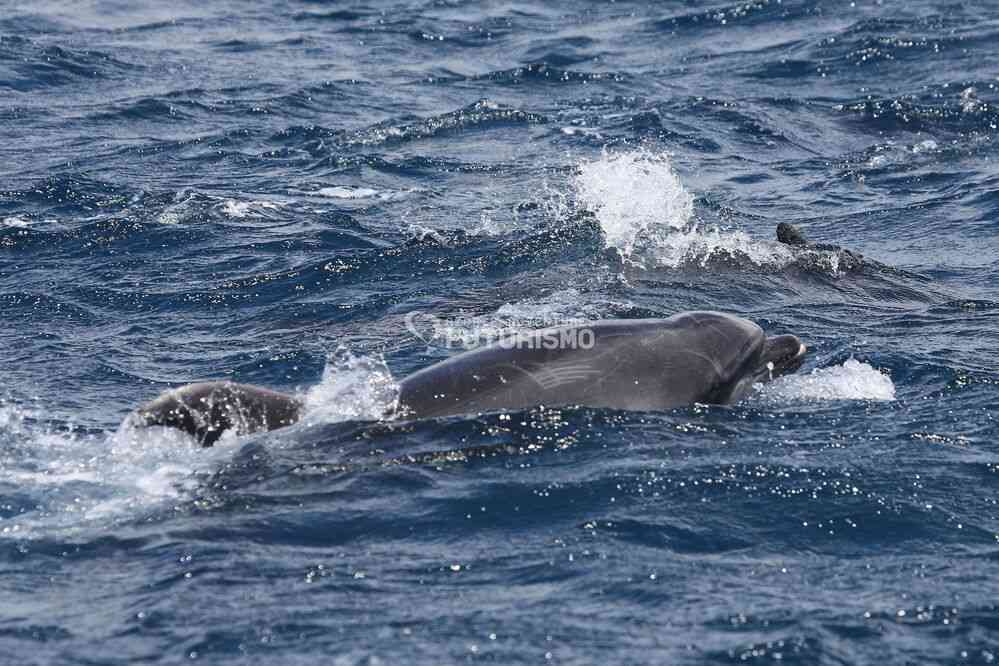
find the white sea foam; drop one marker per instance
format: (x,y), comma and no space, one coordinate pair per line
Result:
(892,153)
(341,192)
(15,222)
(970,102)
(699,247)
(487,226)
(582,131)
(565,306)
(177,211)
(11,419)
(421,233)
(80,481)
(351,192)
(241,209)
(853,380)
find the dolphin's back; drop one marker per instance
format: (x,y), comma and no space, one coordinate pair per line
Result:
(644,364)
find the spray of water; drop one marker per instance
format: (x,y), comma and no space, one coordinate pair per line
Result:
(647,214)
(80,480)
(853,380)
(353,387)
(632,194)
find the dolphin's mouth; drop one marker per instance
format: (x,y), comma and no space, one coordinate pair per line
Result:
(781,355)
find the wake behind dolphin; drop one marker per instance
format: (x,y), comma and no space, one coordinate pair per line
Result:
(641,365)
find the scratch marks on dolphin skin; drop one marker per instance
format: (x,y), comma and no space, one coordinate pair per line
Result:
(549,378)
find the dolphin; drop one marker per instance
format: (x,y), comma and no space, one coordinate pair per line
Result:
(207,409)
(793,236)
(635,364)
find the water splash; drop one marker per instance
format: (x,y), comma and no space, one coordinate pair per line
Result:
(83,481)
(79,481)
(352,388)
(633,193)
(853,380)
(647,214)
(701,247)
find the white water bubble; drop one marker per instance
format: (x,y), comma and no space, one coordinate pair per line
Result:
(853,380)
(184,203)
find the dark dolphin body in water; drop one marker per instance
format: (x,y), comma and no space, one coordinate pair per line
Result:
(793,236)
(642,364)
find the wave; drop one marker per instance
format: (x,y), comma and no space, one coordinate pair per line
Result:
(33,66)
(542,72)
(741,14)
(960,111)
(483,114)
(321,141)
(76,192)
(875,42)
(335,15)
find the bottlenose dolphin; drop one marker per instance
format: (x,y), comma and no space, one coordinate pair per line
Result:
(789,234)
(208,409)
(640,364)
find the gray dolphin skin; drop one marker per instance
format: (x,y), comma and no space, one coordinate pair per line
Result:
(638,364)
(793,236)
(207,409)
(635,364)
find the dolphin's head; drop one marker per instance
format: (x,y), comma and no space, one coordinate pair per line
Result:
(791,235)
(206,410)
(742,354)
(196,409)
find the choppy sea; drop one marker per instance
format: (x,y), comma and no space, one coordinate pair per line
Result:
(271,192)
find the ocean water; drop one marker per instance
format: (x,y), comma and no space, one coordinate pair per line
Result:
(269,192)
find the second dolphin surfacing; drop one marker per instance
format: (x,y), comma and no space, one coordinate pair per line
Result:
(636,364)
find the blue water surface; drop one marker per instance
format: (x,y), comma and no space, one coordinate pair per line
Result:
(273,192)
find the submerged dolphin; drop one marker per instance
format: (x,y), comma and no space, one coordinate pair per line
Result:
(641,364)
(789,234)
